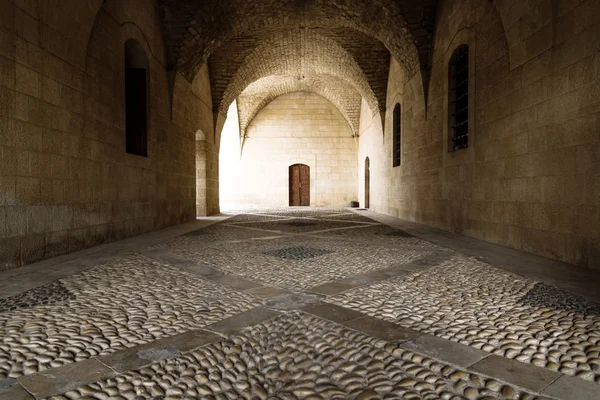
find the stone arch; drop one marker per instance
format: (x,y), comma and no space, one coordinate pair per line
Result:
(260,93)
(265,99)
(529,28)
(309,54)
(73,22)
(106,46)
(198,29)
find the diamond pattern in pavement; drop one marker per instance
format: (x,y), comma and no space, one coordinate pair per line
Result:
(274,262)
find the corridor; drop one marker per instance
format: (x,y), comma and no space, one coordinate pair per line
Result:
(299,303)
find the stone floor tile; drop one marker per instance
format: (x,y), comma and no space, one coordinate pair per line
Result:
(457,298)
(382,329)
(128,302)
(237,322)
(516,373)
(13,392)
(297,262)
(332,288)
(266,291)
(332,312)
(292,301)
(84,259)
(391,272)
(7,383)
(298,225)
(580,280)
(446,350)
(202,269)
(233,281)
(299,356)
(163,349)
(145,310)
(568,387)
(364,280)
(65,378)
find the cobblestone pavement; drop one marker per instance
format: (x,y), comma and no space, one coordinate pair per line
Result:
(298,303)
(121,304)
(472,303)
(299,356)
(296,263)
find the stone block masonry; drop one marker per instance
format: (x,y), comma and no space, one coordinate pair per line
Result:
(66,182)
(529,178)
(296,128)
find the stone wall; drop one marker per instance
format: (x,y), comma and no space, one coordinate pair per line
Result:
(66,182)
(299,127)
(200,121)
(530,178)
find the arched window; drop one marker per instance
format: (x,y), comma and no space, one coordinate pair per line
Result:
(136,99)
(397,127)
(458,99)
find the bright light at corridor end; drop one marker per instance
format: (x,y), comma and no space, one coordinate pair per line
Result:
(230,179)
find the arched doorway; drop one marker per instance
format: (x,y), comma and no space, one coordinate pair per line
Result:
(367,183)
(299,185)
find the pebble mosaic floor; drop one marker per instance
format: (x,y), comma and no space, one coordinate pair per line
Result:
(298,356)
(279,262)
(469,302)
(128,302)
(138,299)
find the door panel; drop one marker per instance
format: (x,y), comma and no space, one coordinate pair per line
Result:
(294,185)
(304,185)
(299,185)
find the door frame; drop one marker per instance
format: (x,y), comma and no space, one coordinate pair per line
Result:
(367,183)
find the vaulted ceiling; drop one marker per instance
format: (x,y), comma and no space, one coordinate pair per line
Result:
(259,49)
(260,93)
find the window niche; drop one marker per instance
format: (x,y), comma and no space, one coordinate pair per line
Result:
(458,99)
(136,99)
(397,136)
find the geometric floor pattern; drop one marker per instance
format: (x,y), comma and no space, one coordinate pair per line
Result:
(295,262)
(121,304)
(299,356)
(212,280)
(472,303)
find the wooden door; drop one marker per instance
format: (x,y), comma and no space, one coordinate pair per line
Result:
(299,185)
(367,182)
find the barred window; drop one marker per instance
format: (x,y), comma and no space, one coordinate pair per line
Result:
(397,127)
(136,99)
(458,98)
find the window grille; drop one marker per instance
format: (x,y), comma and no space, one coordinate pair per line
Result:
(136,99)
(397,128)
(458,96)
